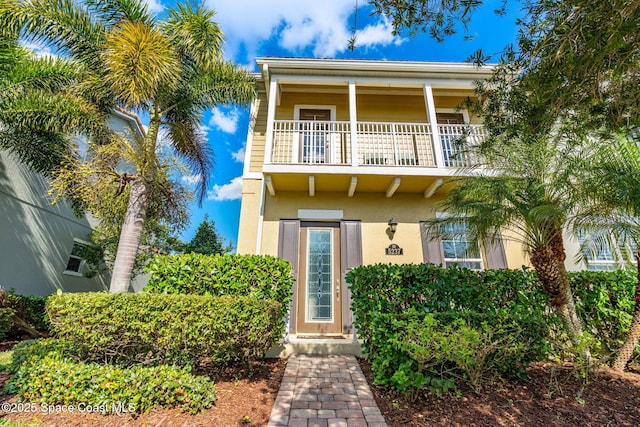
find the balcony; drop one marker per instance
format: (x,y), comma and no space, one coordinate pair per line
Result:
(377,144)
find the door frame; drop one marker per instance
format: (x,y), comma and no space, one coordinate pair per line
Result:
(335,325)
(295,149)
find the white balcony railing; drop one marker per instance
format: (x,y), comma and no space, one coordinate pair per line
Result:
(379,143)
(456,140)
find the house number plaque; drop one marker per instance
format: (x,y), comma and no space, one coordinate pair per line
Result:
(393,249)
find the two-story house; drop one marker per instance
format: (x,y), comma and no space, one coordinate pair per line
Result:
(344,159)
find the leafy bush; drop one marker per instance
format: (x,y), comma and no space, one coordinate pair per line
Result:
(604,301)
(142,329)
(6,320)
(46,374)
(427,288)
(480,349)
(390,303)
(410,351)
(256,276)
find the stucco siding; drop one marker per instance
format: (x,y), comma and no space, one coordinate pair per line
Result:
(249,215)
(391,108)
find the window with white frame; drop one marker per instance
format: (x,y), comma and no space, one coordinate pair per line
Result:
(598,256)
(458,248)
(76,258)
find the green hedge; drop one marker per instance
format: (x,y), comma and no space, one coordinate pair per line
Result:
(6,320)
(604,300)
(475,346)
(427,288)
(386,299)
(256,276)
(144,329)
(45,374)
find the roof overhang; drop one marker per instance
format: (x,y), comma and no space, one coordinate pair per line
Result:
(354,69)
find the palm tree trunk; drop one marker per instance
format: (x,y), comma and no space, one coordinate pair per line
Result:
(626,351)
(129,237)
(553,277)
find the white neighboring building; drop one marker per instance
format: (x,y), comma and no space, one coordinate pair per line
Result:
(37,239)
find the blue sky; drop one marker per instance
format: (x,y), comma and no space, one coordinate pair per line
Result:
(306,28)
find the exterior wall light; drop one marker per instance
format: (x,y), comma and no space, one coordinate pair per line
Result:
(393,224)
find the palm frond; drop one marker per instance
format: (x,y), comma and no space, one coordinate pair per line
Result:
(111,12)
(139,58)
(42,151)
(198,38)
(57,113)
(224,83)
(192,147)
(66,24)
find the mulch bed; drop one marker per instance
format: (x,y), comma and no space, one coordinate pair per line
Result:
(245,396)
(547,398)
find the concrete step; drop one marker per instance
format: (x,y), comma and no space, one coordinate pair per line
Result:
(308,345)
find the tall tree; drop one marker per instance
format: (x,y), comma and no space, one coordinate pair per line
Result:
(614,217)
(41,107)
(581,56)
(170,70)
(207,240)
(528,194)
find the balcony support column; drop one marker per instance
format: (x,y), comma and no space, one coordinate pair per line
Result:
(433,120)
(353,123)
(271,115)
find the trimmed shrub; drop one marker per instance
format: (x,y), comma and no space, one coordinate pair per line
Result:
(390,303)
(427,288)
(412,350)
(46,375)
(143,329)
(6,320)
(256,276)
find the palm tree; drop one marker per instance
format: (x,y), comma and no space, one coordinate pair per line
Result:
(170,70)
(39,111)
(614,218)
(526,192)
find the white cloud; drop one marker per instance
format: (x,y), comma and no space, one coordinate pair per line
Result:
(238,156)
(226,122)
(230,191)
(39,49)
(325,25)
(378,34)
(191,179)
(154,6)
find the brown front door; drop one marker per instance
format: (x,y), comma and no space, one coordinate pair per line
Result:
(319,308)
(314,136)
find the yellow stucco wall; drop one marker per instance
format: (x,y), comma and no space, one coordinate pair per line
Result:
(391,108)
(249,216)
(374,210)
(285,111)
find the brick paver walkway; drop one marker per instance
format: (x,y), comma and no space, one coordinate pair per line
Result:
(325,391)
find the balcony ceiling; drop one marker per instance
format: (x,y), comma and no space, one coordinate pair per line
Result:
(340,183)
